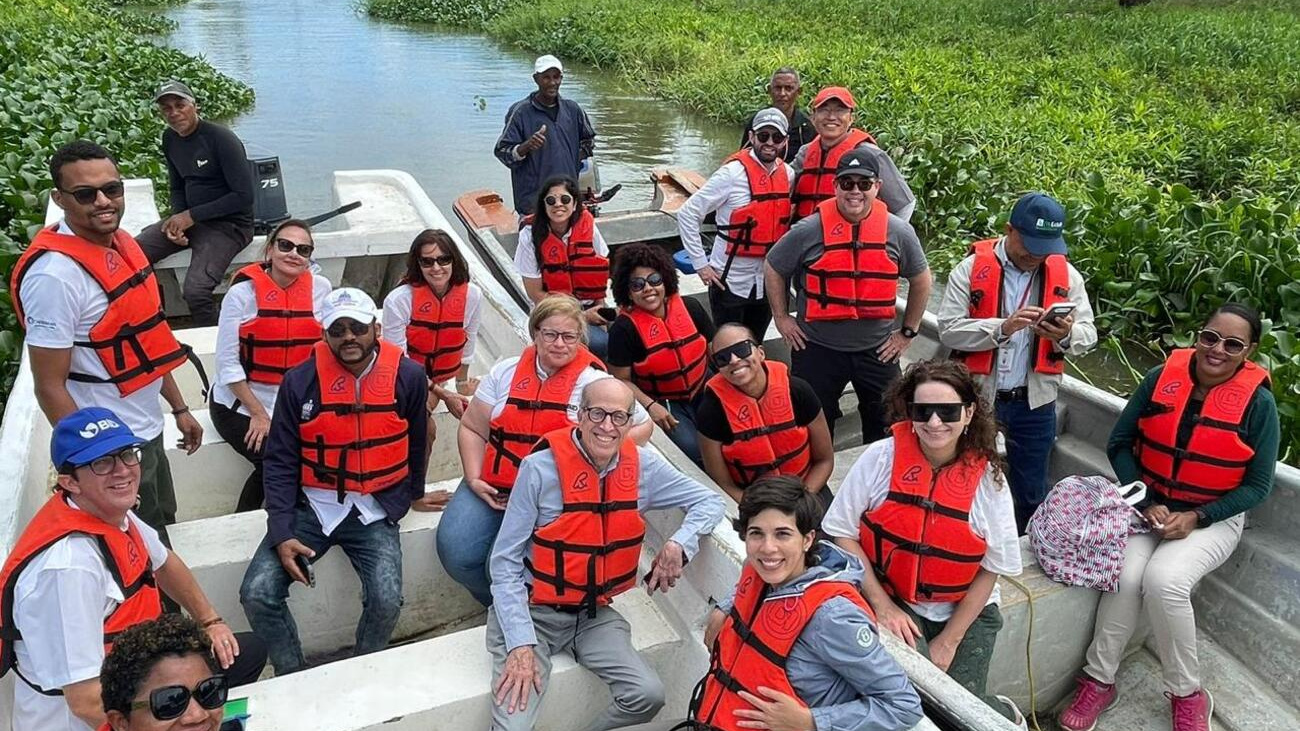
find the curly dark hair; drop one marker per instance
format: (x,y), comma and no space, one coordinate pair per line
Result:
(787,494)
(137,650)
(980,437)
(76,151)
(633,256)
(459,269)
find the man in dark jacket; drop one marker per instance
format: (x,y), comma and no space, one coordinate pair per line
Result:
(544,135)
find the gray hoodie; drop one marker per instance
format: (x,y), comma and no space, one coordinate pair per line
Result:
(838,666)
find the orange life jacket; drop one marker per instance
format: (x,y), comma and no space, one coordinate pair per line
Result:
(919,541)
(854,278)
(1213,459)
(765,437)
(986,302)
(435,336)
(132,338)
(281,335)
(533,408)
(755,226)
(815,181)
(125,555)
(574,267)
(589,554)
(754,642)
(356,445)
(675,351)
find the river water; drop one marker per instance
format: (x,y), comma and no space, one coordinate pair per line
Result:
(339,91)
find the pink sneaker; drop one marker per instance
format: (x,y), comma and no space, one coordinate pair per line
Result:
(1091,699)
(1191,712)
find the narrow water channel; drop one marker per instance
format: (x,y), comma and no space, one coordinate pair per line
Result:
(337,91)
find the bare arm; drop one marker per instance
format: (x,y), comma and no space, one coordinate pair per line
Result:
(84,699)
(918,294)
(533,286)
(50,368)
(471,438)
(823,454)
(778,298)
(178,582)
(716,467)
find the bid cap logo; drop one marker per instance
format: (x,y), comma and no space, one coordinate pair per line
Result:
(93,428)
(1049,227)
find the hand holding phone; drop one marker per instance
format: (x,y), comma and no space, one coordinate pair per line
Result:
(304,564)
(1057,312)
(609,313)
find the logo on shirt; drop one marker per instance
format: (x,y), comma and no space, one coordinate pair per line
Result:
(524,383)
(1169,389)
(982,273)
(93,428)
(654,329)
(837,229)
(426,307)
(272,296)
(911,474)
(200,162)
(308,409)
(580,483)
(743,415)
(866,638)
(111,261)
(338,384)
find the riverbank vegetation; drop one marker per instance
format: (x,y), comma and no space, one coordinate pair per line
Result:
(1171,131)
(80,69)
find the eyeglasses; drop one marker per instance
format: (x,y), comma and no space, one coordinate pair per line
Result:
(636,284)
(427,262)
(285,246)
(766,136)
(741,350)
(859,183)
(1231,346)
(340,328)
(87,195)
(104,465)
(563,200)
(596,415)
(170,701)
(924,412)
(568,336)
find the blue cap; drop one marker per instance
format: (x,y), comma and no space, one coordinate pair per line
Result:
(1040,220)
(87,434)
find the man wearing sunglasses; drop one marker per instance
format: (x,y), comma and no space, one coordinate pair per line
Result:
(1004,313)
(211,199)
(85,569)
(750,194)
(344,460)
(845,261)
(580,495)
(783,89)
(95,331)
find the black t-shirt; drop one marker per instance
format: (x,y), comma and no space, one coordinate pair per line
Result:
(711,418)
(209,175)
(626,347)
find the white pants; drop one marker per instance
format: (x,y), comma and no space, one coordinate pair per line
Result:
(1159,575)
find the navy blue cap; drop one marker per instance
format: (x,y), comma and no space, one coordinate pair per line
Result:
(1040,221)
(87,434)
(857,162)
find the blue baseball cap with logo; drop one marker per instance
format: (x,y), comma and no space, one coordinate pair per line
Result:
(87,434)
(1040,221)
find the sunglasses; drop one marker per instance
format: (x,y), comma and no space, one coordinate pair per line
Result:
(596,415)
(924,412)
(341,328)
(284,246)
(427,262)
(636,284)
(550,336)
(104,465)
(741,350)
(170,701)
(765,136)
(1231,346)
(563,200)
(859,183)
(86,196)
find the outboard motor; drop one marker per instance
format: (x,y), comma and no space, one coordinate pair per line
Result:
(269,206)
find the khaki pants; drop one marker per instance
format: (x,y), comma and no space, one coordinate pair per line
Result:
(1158,576)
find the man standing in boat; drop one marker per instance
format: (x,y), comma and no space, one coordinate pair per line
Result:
(750,193)
(1012,311)
(845,262)
(544,135)
(211,199)
(570,542)
(96,334)
(345,458)
(783,89)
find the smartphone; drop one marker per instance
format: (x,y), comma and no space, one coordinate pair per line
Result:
(609,313)
(305,566)
(1057,311)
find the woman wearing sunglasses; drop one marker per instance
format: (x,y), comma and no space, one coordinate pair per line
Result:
(1201,431)
(560,250)
(928,509)
(160,676)
(269,320)
(659,343)
(520,399)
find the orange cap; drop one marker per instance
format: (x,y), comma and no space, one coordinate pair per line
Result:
(839,93)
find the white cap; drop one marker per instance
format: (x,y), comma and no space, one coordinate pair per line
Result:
(771,117)
(547,62)
(348,302)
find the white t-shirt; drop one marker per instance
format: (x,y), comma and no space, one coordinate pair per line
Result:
(397,315)
(526,254)
(992,517)
(60,602)
(239,307)
(494,388)
(62,303)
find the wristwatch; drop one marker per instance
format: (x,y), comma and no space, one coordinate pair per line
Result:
(1202,519)
(907,332)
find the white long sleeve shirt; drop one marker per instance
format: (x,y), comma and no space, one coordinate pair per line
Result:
(397,315)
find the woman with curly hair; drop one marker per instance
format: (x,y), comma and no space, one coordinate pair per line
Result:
(161,675)
(928,510)
(659,342)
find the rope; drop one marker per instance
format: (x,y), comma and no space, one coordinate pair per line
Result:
(1029,659)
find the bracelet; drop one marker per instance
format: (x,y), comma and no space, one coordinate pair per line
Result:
(181,410)
(215,620)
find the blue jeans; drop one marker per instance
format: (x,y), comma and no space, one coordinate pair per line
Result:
(1030,435)
(466,532)
(375,551)
(598,341)
(685,435)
